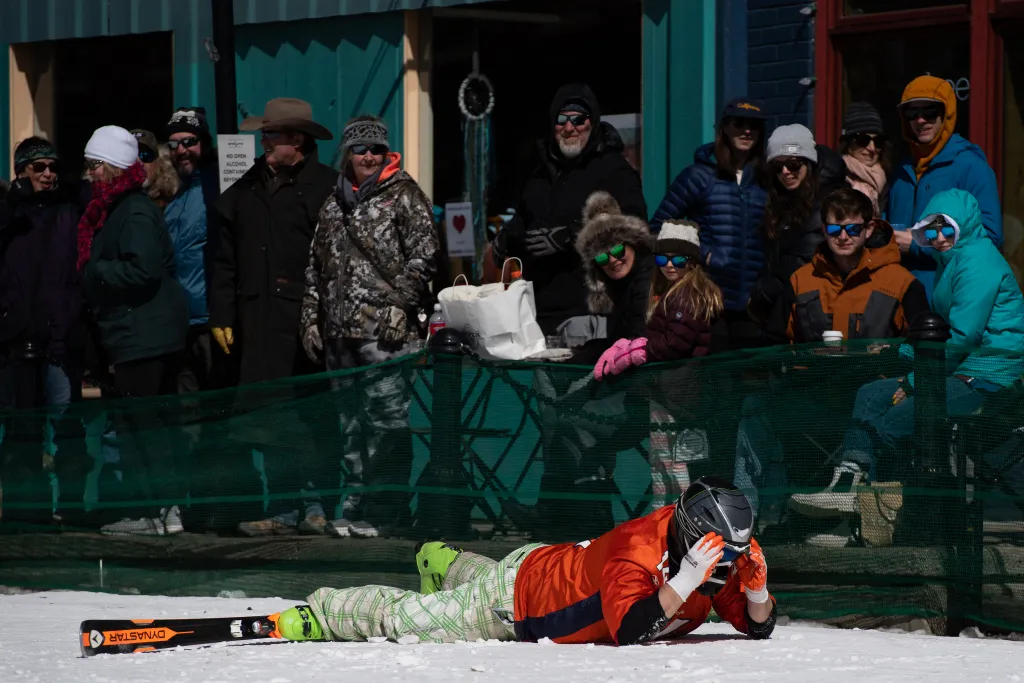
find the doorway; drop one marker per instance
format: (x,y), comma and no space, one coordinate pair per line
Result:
(123,81)
(528,49)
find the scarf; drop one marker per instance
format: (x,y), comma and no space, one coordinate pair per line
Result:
(96,212)
(350,196)
(868,179)
(938,90)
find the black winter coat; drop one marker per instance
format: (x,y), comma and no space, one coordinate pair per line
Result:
(628,319)
(40,288)
(260,266)
(129,283)
(554,196)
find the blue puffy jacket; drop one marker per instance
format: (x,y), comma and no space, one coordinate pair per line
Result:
(729,214)
(961,165)
(189,224)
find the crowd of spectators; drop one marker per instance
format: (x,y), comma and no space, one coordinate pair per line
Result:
(141,276)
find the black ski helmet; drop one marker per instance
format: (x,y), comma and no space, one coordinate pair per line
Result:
(712,504)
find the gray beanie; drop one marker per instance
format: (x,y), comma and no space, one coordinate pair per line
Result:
(793,140)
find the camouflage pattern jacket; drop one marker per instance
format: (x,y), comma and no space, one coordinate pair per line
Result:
(377,254)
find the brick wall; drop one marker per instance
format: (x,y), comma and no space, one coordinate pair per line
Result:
(780,52)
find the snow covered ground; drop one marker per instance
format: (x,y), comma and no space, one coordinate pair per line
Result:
(38,642)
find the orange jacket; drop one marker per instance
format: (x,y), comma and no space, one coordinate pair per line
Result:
(876,300)
(580,593)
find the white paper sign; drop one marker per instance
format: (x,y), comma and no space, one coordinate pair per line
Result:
(236,154)
(459,224)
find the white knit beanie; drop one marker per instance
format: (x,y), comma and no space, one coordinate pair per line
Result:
(679,237)
(114,145)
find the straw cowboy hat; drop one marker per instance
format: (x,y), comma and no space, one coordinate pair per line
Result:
(287,113)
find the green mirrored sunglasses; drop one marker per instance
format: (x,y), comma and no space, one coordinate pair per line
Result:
(615,252)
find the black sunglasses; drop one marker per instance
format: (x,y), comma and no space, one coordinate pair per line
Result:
(43,166)
(865,139)
(576,120)
(791,165)
(147,155)
(928,112)
(187,142)
(376,150)
(93,164)
(743,123)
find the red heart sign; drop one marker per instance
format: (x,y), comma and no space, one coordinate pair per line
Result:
(459,222)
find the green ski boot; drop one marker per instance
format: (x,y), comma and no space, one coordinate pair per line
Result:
(433,560)
(299,623)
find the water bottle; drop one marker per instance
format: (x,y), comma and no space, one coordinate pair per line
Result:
(515,275)
(437,321)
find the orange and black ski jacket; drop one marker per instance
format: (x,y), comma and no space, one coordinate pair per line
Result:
(876,300)
(606,590)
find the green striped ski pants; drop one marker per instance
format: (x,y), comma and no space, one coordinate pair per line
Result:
(475,602)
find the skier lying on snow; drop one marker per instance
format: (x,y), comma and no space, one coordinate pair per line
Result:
(654,577)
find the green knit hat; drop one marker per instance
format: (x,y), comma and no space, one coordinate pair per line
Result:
(32,149)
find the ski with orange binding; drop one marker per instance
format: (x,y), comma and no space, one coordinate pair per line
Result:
(119,636)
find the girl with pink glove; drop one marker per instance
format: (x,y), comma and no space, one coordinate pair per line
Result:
(684,303)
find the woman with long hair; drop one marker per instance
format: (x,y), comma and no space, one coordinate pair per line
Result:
(800,173)
(723,193)
(865,151)
(684,304)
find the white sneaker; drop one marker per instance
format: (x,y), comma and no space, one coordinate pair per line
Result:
(363,529)
(837,499)
(839,537)
(338,528)
(172,521)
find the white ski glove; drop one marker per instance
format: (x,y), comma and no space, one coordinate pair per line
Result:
(698,564)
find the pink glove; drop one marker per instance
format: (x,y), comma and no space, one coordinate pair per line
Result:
(634,353)
(605,364)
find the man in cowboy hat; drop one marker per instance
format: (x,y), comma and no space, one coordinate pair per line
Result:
(267,221)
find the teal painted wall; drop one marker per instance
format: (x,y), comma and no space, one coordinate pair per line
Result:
(679,88)
(343,66)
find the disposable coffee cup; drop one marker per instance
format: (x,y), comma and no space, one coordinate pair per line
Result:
(832,338)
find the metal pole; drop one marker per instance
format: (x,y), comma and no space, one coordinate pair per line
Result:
(934,514)
(441,516)
(224,66)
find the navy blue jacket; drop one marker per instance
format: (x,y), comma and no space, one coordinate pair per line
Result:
(730,217)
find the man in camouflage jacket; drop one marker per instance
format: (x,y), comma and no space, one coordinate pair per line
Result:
(371,260)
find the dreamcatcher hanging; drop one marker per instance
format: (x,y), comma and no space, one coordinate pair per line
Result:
(476,101)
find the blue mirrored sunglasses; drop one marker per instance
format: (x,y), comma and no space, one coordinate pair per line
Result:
(677,261)
(852,229)
(949,232)
(730,553)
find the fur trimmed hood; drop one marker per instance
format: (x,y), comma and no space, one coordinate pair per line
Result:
(604,226)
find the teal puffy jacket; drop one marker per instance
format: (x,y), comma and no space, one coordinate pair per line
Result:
(977,293)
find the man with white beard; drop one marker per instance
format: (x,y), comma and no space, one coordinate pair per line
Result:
(583,156)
